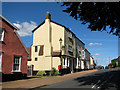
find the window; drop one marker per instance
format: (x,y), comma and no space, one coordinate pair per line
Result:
(64,60)
(35,59)
(67,61)
(35,48)
(69,34)
(41,50)
(2,31)
(16,63)
(70,48)
(0,61)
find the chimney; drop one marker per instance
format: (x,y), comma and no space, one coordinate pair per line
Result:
(48,16)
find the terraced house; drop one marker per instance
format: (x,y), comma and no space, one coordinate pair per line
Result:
(53,47)
(80,54)
(87,59)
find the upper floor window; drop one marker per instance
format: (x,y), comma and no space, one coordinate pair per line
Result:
(16,63)
(36,49)
(35,59)
(70,48)
(2,32)
(70,35)
(41,50)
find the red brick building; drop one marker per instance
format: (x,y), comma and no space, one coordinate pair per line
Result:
(13,53)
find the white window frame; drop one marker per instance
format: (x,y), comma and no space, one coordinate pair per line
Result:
(2,35)
(19,70)
(0,61)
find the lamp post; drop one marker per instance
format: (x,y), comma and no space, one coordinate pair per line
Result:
(60,40)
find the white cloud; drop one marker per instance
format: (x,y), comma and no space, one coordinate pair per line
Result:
(25,28)
(104,59)
(91,44)
(96,54)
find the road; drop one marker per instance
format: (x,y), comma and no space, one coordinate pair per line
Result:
(103,80)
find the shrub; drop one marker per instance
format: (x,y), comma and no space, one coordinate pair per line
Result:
(54,72)
(41,73)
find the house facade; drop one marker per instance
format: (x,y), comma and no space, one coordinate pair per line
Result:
(92,62)
(87,60)
(80,54)
(13,54)
(53,46)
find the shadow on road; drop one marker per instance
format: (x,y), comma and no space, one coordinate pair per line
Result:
(104,80)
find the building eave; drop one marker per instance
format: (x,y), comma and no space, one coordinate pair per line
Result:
(22,42)
(16,28)
(38,26)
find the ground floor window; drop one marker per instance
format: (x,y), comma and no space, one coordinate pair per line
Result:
(0,61)
(16,63)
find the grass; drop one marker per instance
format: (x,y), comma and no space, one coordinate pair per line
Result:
(43,76)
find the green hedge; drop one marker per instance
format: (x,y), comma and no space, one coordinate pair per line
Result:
(54,72)
(41,73)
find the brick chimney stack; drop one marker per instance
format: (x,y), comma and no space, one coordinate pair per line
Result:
(48,16)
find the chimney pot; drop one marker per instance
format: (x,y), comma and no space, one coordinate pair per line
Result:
(48,16)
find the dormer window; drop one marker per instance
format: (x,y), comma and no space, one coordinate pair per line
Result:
(2,32)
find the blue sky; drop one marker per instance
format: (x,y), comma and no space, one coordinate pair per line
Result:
(27,16)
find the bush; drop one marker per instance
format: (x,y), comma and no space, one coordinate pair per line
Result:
(41,73)
(54,72)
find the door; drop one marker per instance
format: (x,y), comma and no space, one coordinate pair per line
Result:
(0,62)
(30,70)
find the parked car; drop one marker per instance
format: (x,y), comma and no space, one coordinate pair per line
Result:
(106,67)
(101,67)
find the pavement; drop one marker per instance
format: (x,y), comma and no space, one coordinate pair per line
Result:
(43,81)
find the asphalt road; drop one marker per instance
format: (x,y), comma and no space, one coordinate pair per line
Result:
(108,79)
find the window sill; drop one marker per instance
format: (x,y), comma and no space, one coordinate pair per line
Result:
(16,71)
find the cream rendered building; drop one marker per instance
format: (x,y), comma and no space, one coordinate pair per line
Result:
(53,45)
(92,62)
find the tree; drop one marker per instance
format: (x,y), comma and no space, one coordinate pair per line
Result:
(99,16)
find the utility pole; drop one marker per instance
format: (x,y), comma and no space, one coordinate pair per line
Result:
(109,59)
(96,63)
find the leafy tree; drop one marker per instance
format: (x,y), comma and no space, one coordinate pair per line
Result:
(99,16)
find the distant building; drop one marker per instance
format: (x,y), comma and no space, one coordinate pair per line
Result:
(13,54)
(118,61)
(92,62)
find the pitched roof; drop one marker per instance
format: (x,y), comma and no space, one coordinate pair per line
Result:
(1,17)
(79,40)
(16,28)
(21,42)
(39,26)
(55,23)
(87,50)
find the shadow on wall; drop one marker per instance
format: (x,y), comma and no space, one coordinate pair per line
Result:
(107,80)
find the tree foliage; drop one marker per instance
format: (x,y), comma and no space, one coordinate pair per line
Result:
(97,15)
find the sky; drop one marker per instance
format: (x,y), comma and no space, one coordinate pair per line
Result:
(28,15)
